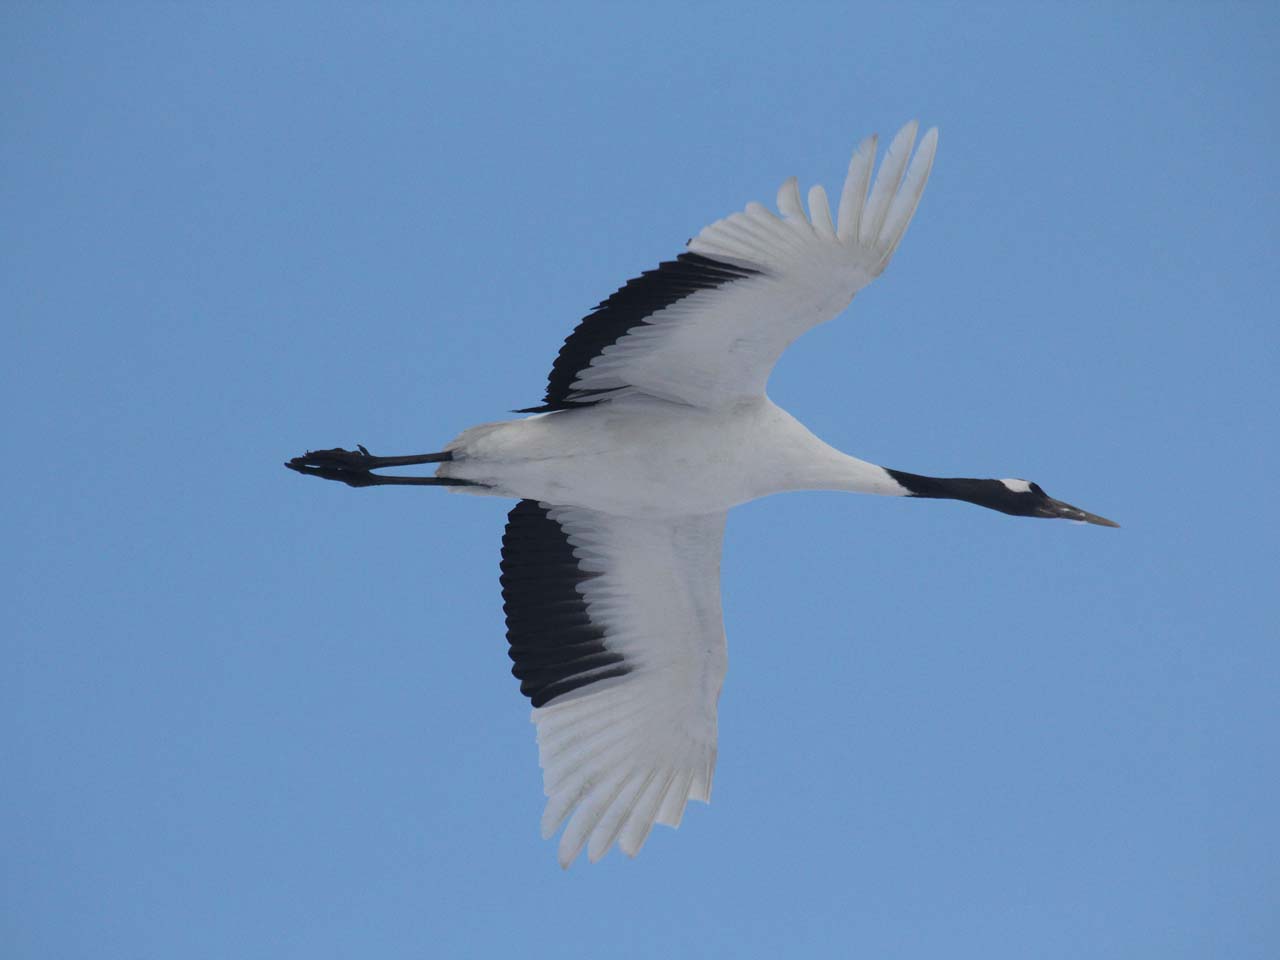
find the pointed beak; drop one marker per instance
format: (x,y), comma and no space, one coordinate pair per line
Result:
(1065,511)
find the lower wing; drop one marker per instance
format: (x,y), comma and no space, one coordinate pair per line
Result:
(617,638)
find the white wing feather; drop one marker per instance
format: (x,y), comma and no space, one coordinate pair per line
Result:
(619,755)
(622,754)
(718,346)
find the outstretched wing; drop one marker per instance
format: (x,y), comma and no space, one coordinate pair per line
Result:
(617,638)
(707,327)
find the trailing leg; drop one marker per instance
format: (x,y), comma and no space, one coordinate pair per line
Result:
(354,468)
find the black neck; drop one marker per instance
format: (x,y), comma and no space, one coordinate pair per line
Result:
(991,494)
(936,488)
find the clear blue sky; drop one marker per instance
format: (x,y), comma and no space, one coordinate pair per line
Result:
(250,715)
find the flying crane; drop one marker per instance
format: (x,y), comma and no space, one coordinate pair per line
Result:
(654,423)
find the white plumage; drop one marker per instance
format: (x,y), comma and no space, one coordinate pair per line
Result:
(655,423)
(718,346)
(687,433)
(636,747)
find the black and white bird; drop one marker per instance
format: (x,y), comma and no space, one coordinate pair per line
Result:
(655,422)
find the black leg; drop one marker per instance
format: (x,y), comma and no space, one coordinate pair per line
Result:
(353,467)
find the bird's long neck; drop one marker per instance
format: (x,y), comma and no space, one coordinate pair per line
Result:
(810,464)
(839,471)
(943,488)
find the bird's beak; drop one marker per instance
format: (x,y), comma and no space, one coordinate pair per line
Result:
(1065,511)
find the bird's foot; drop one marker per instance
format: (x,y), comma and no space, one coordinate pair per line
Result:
(351,467)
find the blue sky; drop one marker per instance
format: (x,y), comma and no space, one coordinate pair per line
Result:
(251,715)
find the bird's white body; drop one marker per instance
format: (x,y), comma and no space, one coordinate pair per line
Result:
(649,458)
(655,423)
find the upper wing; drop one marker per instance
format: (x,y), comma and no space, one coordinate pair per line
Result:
(615,630)
(707,327)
